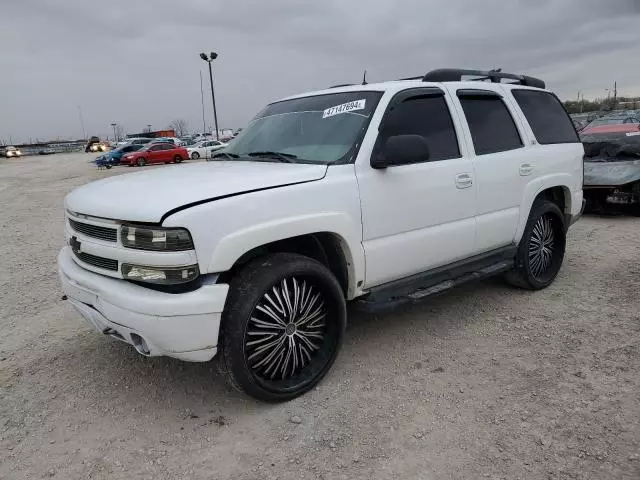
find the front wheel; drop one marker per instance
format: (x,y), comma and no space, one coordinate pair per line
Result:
(195,155)
(282,326)
(177,159)
(541,250)
(141,162)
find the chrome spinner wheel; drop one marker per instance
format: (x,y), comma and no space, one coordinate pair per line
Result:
(541,246)
(286,329)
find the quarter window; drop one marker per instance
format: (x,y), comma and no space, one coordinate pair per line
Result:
(492,127)
(547,117)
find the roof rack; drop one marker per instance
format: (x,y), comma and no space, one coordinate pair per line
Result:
(456,74)
(495,76)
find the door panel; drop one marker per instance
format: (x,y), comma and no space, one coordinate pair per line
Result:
(495,137)
(420,216)
(415,218)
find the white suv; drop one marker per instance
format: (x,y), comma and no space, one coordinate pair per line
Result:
(382,192)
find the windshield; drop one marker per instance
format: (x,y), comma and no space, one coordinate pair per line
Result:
(318,129)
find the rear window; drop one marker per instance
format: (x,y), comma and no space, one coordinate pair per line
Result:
(546,115)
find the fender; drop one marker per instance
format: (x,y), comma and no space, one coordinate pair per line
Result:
(231,247)
(533,189)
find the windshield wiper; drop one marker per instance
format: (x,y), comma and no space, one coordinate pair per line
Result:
(282,157)
(225,154)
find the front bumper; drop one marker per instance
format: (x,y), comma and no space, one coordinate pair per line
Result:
(183,326)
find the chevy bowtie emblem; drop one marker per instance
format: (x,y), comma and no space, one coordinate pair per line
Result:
(75,244)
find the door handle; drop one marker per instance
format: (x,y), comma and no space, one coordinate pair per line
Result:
(463,180)
(526,169)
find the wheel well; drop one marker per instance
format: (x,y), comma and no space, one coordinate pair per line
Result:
(561,196)
(557,195)
(325,247)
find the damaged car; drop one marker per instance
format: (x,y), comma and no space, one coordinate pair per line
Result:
(612,168)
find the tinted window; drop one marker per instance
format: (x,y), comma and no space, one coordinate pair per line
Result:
(492,127)
(168,146)
(547,117)
(429,117)
(155,148)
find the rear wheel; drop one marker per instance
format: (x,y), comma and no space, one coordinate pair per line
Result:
(541,250)
(141,162)
(177,159)
(282,326)
(195,155)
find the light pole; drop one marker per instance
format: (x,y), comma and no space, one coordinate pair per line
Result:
(212,56)
(204,125)
(113,125)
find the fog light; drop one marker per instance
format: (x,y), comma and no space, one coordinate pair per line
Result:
(160,275)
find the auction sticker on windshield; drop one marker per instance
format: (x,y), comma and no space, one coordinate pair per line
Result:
(344,108)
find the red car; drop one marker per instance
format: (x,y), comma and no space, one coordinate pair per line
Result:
(612,124)
(165,152)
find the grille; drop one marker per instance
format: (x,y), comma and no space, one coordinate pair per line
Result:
(100,262)
(95,231)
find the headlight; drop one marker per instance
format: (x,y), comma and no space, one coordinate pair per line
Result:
(160,275)
(18,152)
(158,239)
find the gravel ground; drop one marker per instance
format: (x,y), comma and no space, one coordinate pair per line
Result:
(484,382)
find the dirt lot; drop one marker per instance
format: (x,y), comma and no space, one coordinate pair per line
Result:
(484,382)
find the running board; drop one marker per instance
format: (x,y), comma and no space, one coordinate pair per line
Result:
(418,287)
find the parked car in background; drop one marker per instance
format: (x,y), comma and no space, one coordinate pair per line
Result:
(612,124)
(95,145)
(174,140)
(109,159)
(204,149)
(161,152)
(612,165)
(139,140)
(10,151)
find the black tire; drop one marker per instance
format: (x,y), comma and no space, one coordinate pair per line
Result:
(141,162)
(545,232)
(108,166)
(177,159)
(195,155)
(279,378)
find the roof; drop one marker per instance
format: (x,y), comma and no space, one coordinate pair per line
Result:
(399,85)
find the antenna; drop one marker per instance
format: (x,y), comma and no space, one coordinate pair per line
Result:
(364,78)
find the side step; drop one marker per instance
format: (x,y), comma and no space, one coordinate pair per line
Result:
(424,285)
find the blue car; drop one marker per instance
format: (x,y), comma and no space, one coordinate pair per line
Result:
(109,159)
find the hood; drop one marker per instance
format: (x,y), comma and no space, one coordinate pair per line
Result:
(147,195)
(616,128)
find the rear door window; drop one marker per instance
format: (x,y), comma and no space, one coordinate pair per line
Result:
(547,117)
(492,127)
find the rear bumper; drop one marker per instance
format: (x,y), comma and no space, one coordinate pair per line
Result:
(577,208)
(183,326)
(576,217)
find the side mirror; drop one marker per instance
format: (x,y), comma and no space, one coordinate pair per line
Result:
(401,150)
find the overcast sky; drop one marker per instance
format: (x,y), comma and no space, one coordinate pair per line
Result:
(135,62)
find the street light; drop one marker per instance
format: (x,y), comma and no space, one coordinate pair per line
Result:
(114,132)
(212,56)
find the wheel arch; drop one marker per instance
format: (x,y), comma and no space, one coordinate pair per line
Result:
(328,248)
(554,189)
